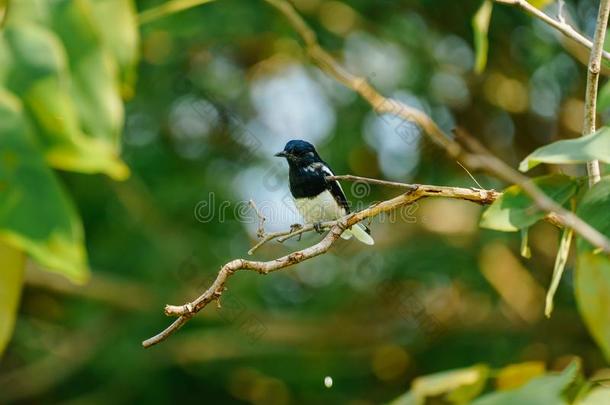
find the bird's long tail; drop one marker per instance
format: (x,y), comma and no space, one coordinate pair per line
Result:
(361,233)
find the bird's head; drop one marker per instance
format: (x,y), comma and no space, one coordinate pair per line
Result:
(300,153)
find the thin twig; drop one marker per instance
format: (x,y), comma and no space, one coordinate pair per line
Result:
(559,24)
(560,9)
(260,230)
(283,236)
(595,61)
(349,177)
(469,174)
(324,226)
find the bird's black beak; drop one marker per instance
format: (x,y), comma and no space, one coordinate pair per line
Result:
(281,154)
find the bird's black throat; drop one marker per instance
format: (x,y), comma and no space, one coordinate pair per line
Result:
(306,183)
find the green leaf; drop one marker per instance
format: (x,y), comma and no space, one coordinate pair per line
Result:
(592,273)
(12,263)
(405,399)
(595,146)
(597,396)
(592,289)
(31,11)
(457,386)
(560,264)
(38,73)
(540,3)
(36,215)
(525,247)
(515,210)
(95,84)
(480,26)
(546,389)
(121,37)
(517,375)
(3,4)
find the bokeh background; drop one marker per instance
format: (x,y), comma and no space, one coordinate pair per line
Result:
(220,88)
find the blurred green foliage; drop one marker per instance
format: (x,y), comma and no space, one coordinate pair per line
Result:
(220,88)
(60,107)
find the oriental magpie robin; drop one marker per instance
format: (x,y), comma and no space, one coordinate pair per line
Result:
(316,198)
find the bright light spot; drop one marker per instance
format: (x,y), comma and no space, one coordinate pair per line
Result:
(506,93)
(396,140)
(337,17)
(449,88)
(384,63)
(290,104)
(328,381)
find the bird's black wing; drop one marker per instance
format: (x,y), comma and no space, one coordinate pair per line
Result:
(337,191)
(335,188)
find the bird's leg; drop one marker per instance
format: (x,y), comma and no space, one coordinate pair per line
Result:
(317,226)
(294,228)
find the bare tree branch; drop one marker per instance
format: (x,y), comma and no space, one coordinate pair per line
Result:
(215,291)
(283,236)
(595,61)
(260,231)
(559,24)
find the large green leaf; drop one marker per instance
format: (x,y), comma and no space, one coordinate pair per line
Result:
(36,215)
(121,37)
(12,262)
(592,274)
(595,146)
(36,69)
(480,27)
(95,85)
(547,389)
(515,210)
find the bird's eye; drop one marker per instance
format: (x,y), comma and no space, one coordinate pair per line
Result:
(310,154)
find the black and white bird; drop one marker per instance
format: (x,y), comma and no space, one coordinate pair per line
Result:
(316,198)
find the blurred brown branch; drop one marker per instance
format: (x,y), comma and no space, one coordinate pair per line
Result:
(559,24)
(66,358)
(114,291)
(595,62)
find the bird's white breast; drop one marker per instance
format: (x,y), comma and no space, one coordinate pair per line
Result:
(322,207)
